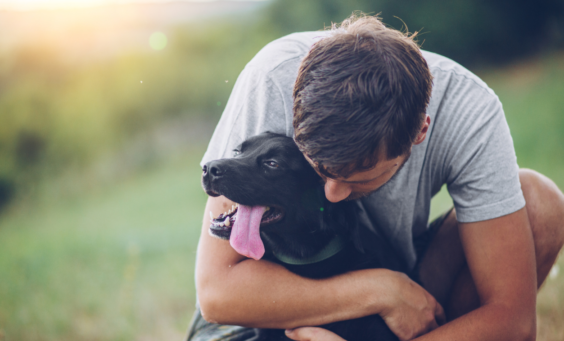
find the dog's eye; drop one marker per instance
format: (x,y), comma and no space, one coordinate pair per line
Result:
(272,164)
(236,152)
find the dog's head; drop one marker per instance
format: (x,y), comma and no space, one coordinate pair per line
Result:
(279,198)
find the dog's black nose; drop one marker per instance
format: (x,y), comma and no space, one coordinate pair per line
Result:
(215,171)
(212,170)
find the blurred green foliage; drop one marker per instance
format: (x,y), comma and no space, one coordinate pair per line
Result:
(57,114)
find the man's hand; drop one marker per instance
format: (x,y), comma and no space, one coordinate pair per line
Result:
(312,334)
(411,311)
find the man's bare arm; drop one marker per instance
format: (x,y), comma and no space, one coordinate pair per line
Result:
(501,258)
(235,290)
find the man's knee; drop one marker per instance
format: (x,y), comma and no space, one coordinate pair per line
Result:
(545,208)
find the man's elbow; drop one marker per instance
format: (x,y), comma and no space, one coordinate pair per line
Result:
(210,312)
(213,305)
(522,326)
(512,323)
(528,323)
(527,331)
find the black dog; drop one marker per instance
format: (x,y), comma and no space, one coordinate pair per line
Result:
(283,216)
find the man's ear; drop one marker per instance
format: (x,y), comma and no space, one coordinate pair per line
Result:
(423,133)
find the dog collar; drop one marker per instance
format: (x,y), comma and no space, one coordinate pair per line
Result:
(332,248)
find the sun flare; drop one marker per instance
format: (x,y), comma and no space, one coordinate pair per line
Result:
(24,5)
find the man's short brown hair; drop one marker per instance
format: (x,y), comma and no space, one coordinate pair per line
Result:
(361,91)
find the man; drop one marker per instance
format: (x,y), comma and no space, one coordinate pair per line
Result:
(388,125)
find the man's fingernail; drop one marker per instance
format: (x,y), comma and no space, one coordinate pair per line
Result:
(289,331)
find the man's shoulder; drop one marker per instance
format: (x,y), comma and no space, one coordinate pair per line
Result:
(446,70)
(284,52)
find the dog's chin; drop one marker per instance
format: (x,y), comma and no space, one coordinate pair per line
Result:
(207,186)
(211,193)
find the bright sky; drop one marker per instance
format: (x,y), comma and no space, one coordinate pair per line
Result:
(61,4)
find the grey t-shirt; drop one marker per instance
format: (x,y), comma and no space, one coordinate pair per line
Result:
(468,145)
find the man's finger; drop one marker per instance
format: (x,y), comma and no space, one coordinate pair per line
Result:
(312,334)
(440,314)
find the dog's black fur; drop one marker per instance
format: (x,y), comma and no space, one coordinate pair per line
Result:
(269,170)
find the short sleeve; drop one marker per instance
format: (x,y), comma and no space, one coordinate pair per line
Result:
(261,99)
(482,171)
(255,105)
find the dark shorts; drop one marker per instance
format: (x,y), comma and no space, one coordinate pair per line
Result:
(201,330)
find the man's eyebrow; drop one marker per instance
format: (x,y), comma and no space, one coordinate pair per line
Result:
(362,181)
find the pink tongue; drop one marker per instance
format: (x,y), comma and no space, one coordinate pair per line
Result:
(245,234)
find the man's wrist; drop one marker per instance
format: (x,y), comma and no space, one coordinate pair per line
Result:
(374,291)
(382,299)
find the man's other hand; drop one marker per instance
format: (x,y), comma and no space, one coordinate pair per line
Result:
(312,334)
(411,311)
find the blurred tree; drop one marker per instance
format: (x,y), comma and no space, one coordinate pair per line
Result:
(6,192)
(57,115)
(470,31)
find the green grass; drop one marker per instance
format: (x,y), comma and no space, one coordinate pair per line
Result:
(116,262)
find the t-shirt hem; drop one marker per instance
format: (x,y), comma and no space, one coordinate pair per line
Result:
(475,214)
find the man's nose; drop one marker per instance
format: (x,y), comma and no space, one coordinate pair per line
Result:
(336,191)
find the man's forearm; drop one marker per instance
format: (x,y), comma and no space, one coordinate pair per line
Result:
(265,295)
(235,290)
